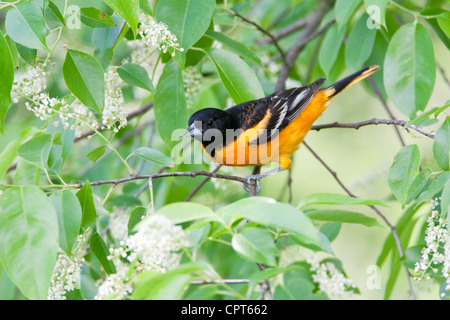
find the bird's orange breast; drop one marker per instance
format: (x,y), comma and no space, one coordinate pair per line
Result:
(240,153)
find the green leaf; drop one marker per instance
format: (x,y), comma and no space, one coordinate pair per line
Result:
(410,69)
(25,25)
(63,140)
(89,213)
(151,285)
(343,10)
(135,75)
(445,199)
(418,184)
(268,212)
(7,72)
(8,155)
(187,19)
(127,9)
(53,16)
(96,153)
(434,187)
(334,198)
(359,44)
(376,9)
(27,54)
(36,150)
(257,245)
(444,23)
(329,48)
(104,40)
(135,217)
(101,251)
(13,50)
(435,110)
(29,237)
(95,18)
(84,77)
(170,103)
(403,171)
(441,145)
(235,46)
(180,212)
(342,216)
(153,155)
(238,78)
(69,214)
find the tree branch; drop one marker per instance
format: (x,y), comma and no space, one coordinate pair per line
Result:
(220,281)
(201,184)
(377,211)
(386,107)
(267,33)
(307,35)
(285,31)
(373,121)
(191,174)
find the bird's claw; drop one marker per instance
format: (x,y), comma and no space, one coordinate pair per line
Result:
(253,180)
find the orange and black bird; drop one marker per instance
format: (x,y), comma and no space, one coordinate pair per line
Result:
(266,130)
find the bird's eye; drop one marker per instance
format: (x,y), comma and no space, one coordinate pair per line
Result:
(210,123)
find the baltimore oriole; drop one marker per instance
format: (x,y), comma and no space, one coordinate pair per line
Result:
(266,130)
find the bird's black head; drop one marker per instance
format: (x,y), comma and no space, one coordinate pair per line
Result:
(209,118)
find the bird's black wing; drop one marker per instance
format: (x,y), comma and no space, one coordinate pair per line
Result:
(284,107)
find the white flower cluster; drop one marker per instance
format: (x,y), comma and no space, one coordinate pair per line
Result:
(192,84)
(155,246)
(76,116)
(436,251)
(31,82)
(330,279)
(114,110)
(118,225)
(117,285)
(157,35)
(65,276)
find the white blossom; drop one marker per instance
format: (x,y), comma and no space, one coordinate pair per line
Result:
(157,35)
(118,225)
(436,252)
(192,84)
(117,285)
(156,245)
(31,82)
(65,276)
(114,110)
(330,279)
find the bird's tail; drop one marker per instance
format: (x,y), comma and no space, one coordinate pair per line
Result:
(332,91)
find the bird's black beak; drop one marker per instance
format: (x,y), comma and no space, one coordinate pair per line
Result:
(191,131)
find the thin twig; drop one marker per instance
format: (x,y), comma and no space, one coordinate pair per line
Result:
(386,107)
(373,121)
(267,33)
(285,31)
(220,281)
(265,285)
(443,74)
(377,211)
(191,174)
(201,184)
(307,35)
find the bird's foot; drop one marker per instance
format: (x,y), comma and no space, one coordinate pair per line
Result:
(254,179)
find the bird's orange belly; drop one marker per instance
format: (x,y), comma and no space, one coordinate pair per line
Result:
(240,153)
